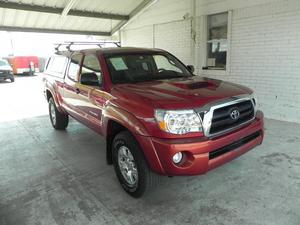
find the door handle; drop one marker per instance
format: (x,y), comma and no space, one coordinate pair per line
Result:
(77,90)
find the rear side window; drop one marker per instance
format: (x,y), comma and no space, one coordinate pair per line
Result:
(57,65)
(74,67)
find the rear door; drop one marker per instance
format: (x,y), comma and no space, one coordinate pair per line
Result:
(70,97)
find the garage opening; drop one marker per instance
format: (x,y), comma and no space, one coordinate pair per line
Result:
(124,112)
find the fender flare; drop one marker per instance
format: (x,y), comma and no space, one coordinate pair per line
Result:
(137,129)
(124,118)
(55,97)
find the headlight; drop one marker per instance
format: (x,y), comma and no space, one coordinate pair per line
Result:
(178,121)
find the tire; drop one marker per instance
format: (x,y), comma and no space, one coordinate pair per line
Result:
(143,179)
(58,120)
(12,79)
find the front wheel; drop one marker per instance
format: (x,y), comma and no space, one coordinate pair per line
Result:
(12,79)
(58,120)
(131,166)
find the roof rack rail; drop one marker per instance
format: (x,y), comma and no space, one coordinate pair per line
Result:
(100,44)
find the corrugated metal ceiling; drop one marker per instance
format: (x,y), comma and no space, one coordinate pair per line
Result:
(52,3)
(123,7)
(32,18)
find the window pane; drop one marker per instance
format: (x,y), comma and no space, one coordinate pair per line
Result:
(74,67)
(91,65)
(216,54)
(217,26)
(3,63)
(57,64)
(143,67)
(164,63)
(217,41)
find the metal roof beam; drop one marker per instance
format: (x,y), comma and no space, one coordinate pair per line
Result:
(55,31)
(68,7)
(144,5)
(52,10)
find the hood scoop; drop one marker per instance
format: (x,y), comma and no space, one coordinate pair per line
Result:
(198,85)
(194,85)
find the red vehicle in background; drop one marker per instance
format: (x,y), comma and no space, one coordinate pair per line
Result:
(24,64)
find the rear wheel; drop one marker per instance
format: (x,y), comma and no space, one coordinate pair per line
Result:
(58,120)
(12,79)
(131,166)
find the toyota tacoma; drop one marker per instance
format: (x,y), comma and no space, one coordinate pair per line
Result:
(157,117)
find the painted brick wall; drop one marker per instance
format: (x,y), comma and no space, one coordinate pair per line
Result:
(173,37)
(163,26)
(163,11)
(265,55)
(138,37)
(264,45)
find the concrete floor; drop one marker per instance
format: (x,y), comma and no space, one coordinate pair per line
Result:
(50,177)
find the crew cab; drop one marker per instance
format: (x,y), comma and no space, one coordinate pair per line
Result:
(157,117)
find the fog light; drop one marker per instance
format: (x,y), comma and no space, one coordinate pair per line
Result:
(177,157)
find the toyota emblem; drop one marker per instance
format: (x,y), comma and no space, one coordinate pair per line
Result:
(235,114)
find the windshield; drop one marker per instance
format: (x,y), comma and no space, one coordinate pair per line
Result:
(132,68)
(3,62)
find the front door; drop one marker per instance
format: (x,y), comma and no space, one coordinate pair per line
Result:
(90,94)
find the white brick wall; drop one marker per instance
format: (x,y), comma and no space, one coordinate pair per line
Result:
(265,55)
(163,26)
(163,11)
(138,37)
(173,37)
(264,46)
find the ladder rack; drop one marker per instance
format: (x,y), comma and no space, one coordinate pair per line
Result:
(100,44)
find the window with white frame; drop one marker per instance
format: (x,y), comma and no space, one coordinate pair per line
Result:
(217,43)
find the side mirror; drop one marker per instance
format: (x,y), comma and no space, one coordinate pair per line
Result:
(191,68)
(90,79)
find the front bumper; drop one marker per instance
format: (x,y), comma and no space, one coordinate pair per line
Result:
(201,154)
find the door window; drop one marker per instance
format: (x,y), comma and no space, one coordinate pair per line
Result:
(74,67)
(91,71)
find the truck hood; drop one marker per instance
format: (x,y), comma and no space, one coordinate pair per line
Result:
(189,92)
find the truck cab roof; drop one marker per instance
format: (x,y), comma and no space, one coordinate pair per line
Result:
(112,51)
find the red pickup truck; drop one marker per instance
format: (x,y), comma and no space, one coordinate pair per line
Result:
(157,117)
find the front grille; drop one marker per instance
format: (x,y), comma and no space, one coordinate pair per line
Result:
(4,72)
(222,120)
(234,145)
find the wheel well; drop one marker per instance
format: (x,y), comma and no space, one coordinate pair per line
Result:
(113,128)
(49,95)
